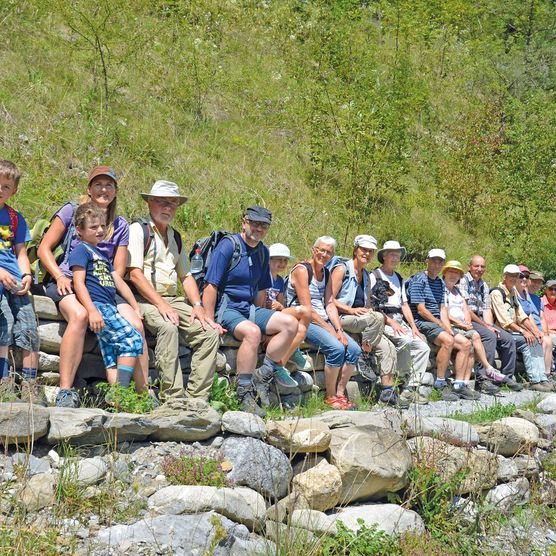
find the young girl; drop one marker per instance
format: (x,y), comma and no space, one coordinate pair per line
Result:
(279,258)
(96,283)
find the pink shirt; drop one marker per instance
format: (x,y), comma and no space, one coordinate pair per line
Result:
(549,313)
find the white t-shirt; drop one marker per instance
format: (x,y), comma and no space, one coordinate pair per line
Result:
(455,303)
(399,296)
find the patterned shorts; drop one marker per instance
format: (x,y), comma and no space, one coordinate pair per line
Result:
(18,322)
(118,338)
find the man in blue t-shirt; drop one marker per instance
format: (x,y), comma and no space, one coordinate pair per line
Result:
(236,298)
(426,295)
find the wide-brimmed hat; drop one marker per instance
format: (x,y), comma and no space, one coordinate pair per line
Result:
(163,188)
(102,171)
(280,250)
(390,245)
(453,265)
(365,241)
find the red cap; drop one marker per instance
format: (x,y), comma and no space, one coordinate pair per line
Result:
(523,269)
(102,171)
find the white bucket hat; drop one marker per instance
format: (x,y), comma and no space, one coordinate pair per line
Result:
(163,188)
(280,250)
(390,245)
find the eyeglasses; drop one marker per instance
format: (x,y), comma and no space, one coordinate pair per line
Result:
(523,276)
(322,251)
(174,203)
(255,224)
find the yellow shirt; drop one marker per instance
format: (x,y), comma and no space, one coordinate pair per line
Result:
(169,264)
(509,312)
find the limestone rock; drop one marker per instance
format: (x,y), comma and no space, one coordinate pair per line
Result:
(299,435)
(194,420)
(546,425)
(506,496)
(180,534)
(253,546)
(90,471)
(286,506)
(321,486)
(279,532)
(47,362)
(507,469)
(481,469)
(458,433)
(315,521)
(241,504)
(244,424)
(46,309)
(38,492)
(388,419)
(258,466)
(372,461)
(509,436)
(304,462)
(51,332)
(547,405)
(21,423)
(390,518)
(527,466)
(29,463)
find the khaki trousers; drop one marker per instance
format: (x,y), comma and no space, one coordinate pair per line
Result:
(204,344)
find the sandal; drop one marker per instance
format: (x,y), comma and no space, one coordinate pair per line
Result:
(347,403)
(335,402)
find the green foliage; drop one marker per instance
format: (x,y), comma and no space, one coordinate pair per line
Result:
(486,415)
(197,470)
(31,541)
(223,396)
(127,399)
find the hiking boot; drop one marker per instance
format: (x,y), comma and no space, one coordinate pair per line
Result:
(512,384)
(262,378)
(446,393)
(301,361)
(67,397)
(247,399)
(7,390)
(31,391)
(540,386)
(411,395)
(465,393)
(389,397)
(487,387)
(283,379)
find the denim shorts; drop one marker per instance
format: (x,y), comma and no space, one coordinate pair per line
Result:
(118,338)
(18,322)
(230,318)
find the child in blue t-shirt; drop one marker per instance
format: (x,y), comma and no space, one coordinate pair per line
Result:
(18,323)
(95,284)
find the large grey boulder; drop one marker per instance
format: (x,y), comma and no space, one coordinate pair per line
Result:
(547,405)
(508,495)
(38,492)
(258,466)
(320,486)
(299,435)
(241,504)
(458,433)
(51,333)
(90,471)
(507,469)
(244,424)
(315,521)
(509,436)
(546,425)
(27,463)
(179,535)
(22,423)
(387,418)
(372,461)
(390,518)
(194,420)
(46,309)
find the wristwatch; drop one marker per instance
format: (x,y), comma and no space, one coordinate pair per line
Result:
(26,274)
(198,304)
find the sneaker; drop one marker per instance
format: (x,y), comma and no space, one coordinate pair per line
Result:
(262,378)
(512,384)
(247,399)
(7,390)
(540,386)
(494,375)
(389,397)
(446,393)
(411,395)
(31,391)
(465,393)
(487,387)
(283,378)
(301,362)
(67,397)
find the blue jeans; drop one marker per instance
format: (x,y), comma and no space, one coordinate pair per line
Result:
(533,358)
(334,351)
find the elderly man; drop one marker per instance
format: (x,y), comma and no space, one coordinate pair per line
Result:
(236,295)
(156,262)
(426,295)
(477,294)
(509,315)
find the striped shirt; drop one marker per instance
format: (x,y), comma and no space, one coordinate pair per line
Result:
(422,289)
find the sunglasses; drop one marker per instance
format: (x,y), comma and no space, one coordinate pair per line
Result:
(551,289)
(522,276)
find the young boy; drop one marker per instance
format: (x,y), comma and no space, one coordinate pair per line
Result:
(95,284)
(17,316)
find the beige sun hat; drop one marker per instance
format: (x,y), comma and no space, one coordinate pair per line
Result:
(163,188)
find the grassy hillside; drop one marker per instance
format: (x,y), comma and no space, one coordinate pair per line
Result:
(428,121)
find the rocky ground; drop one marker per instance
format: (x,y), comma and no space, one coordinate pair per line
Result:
(99,480)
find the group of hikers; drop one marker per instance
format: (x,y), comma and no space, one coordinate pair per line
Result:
(119,279)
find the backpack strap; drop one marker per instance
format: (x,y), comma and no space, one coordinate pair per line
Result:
(148,239)
(504,296)
(14,223)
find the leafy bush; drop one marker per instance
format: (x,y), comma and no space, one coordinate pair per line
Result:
(198,470)
(223,396)
(366,542)
(124,399)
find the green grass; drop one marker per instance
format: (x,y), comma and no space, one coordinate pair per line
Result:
(486,415)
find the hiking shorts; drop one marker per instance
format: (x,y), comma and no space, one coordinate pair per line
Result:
(18,322)
(230,318)
(430,330)
(118,338)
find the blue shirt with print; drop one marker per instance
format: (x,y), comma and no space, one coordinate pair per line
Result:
(422,289)
(250,276)
(8,260)
(98,272)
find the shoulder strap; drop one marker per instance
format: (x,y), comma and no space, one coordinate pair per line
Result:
(148,238)
(399,278)
(14,222)
(504,296)
(178,240)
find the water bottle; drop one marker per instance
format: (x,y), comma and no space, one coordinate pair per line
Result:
(196,262)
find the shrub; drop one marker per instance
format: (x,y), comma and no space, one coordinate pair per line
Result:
(197,470)
(124,399)
(223,396)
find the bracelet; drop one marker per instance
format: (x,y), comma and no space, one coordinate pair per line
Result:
(58,277)
(26,274)
(198,304)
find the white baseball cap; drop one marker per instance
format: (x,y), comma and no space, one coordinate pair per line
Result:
(365,241)
(511,269)
(438,253)
(280,250)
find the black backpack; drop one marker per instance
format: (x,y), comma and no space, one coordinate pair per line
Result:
(309,268)
(382,290)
